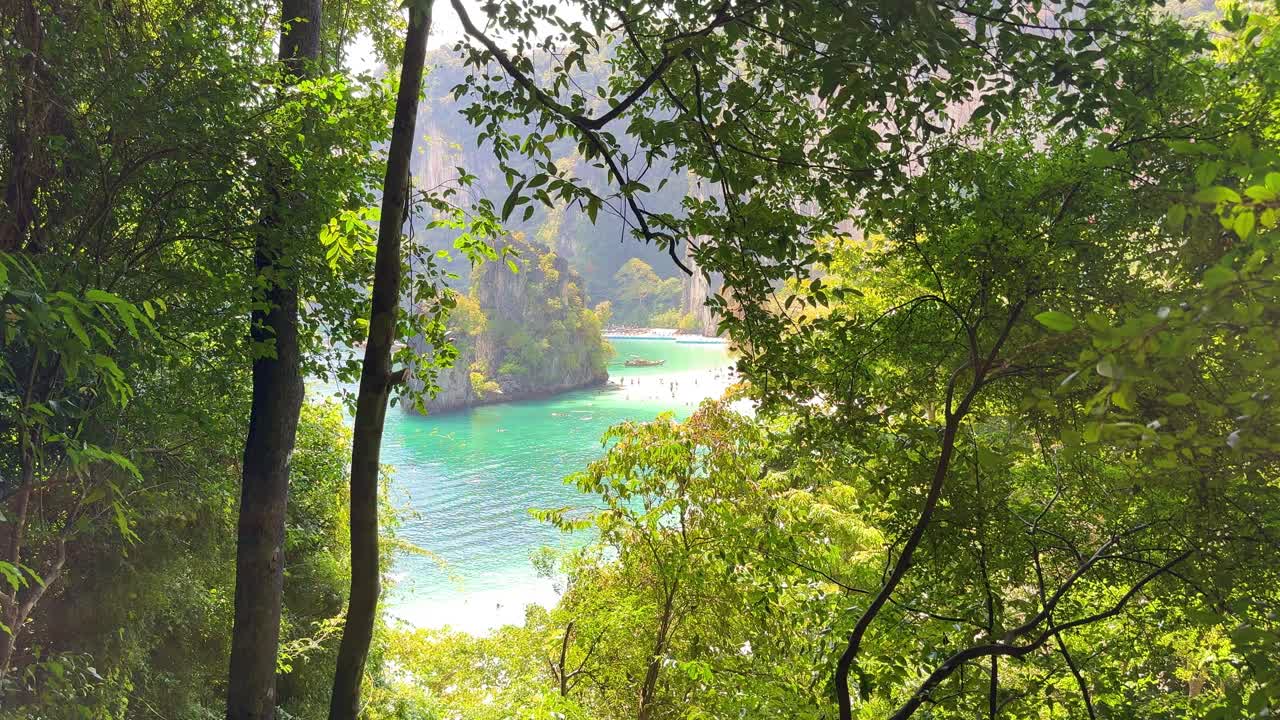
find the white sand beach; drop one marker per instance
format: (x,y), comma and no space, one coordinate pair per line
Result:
(680,391)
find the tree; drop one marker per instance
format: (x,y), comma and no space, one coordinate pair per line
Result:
(641,296)
(377,378)
(273,416)
(150,142)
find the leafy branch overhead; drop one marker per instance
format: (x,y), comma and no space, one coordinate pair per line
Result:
(999,281)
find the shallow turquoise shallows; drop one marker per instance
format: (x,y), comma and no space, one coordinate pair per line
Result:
(466,482)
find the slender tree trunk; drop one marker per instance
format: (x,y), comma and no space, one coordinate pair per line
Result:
(24,604)
(993,689)
(10,603)
(649,690)
(273,425)
(563,673)
(376,379)
(19,216)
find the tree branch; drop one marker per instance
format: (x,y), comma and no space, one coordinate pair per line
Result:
(924,519)
(959,659)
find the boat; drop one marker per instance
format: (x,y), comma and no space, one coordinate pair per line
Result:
(641,362)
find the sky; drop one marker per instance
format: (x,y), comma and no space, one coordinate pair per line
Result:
(446,30)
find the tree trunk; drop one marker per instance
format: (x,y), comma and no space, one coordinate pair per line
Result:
(376,379)
(26,127)
(10,603)
(273,425)
(649,690)
(23,605)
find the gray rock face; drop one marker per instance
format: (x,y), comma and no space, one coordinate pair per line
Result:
(455,384)
(519,335)
(697,290)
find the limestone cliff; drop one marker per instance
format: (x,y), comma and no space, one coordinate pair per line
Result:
(697,289)
(698,286)
(520,335)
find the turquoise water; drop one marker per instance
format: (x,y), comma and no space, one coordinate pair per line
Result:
(467,481)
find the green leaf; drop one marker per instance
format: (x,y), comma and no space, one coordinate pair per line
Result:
(1243,224)
(73,322)
(125,311)
(33,574)
(1261,193)
(1206,173)
(102,296)
(1107,369)
(1217,276)
(12,575)
(509,205)
(1092,432)
(1056,321)
(1123,398)
(1178,399)
(122,523)
(1217,194)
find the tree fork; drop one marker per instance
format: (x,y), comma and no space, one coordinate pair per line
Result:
(377,379)
(981,367)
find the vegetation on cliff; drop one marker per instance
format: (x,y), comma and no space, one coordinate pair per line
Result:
(643,285)
(521,331)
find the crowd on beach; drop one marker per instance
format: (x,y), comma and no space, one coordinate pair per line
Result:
(692,385)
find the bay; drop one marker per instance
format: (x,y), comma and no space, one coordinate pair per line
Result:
(465,482)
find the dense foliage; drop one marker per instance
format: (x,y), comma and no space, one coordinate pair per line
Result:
(142,144)
(1012,453)
(1002,278)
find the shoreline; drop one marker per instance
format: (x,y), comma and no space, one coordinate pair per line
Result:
(490,604)
(475,612)
(679,390)
(502,399)
(609,379)
(669,334)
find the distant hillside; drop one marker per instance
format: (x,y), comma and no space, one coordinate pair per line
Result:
(521,335)
(641,283)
